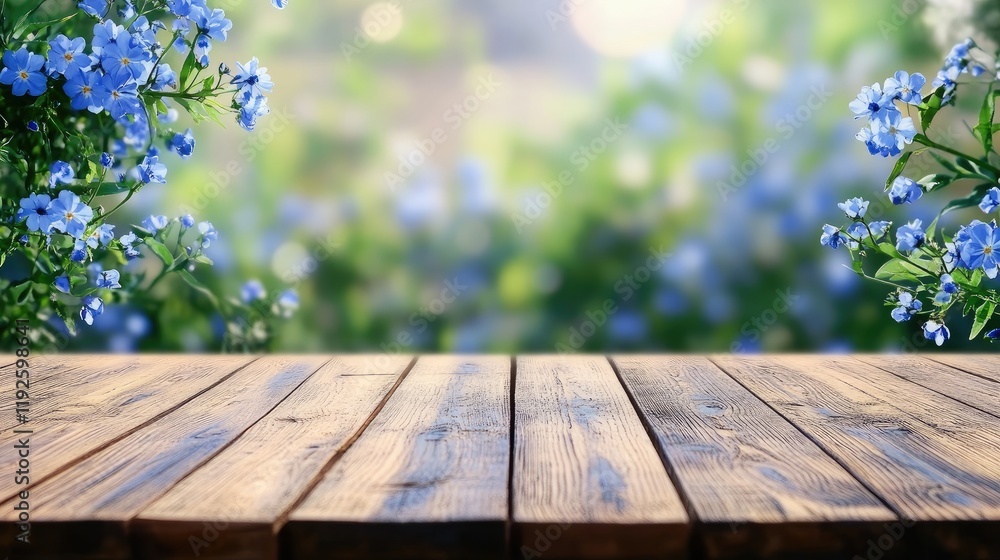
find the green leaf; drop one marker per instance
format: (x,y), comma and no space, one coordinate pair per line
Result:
(897,169)
(972,200)
(194,283)
(936,181)
(889,249)
(900,270)
(931,229)
(983,315)
(984,130)
(160,250)
(104,189)
(190,64)
(204,260)
(930,107)
(22,292)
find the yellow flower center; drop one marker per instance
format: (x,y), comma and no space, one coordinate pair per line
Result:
(68,56)
(86,90)
(23,74)
(987,250)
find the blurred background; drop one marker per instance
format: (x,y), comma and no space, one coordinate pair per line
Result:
(591,175)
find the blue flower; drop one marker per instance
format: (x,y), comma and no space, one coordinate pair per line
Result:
(127,11)
(211,23)
(96,8)
(857,230)
(252,80)
(879,229)
(948,284)
(979,246)
(937,332)
(251,111)
(202,46)
(910,237)
(154,224)
(868,137)
(79,253)
(873,104)
(288,303)
(62,284)
(32,126)
(107,33)
(120,95)
(993,335)
(35,211)
(991,201)
(208,234)
(165,77)
(152,171)
(60,173)
(22,71)
(183,144)
(252,291)
(180,8)
(127,241)
(93,307)
(120,57)
(832,237)
(908,306)
(854,208)
(69,214)
(85,90)
(905,87)
(905,190)
(65,52)
(280,4)
(101,236)
(187,221)
(894,132)
(107,160)
(109,279)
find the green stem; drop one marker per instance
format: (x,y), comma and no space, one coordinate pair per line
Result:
(923,139)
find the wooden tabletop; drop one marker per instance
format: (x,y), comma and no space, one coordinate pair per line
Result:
(533,457)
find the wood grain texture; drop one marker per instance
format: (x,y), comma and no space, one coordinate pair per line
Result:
(757,485)
(587,481)
(983,365)
(426,479)
(957,384)
(904,442)
(83,511)
(103,405)
(247,488)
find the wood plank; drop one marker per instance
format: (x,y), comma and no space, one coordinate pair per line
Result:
(244,491)
(83,511)
(83,417)
(962,386)
(55,376)
(587,481)
(426,479)
(757,485)
(936,474)
(983,365)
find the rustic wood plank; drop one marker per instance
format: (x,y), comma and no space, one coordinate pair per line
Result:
(965,388)
(83,511)
(233,506)
(922,463)
(983,365)
(105,405)
(56,376)
(758,486)
(426,479)
(587,481)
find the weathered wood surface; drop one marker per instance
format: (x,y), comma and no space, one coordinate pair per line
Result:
(584,467)
(305,457)
(748,474)
(428,478)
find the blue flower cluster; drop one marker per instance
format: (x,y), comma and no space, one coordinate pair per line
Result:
(888,131)
(950,271)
